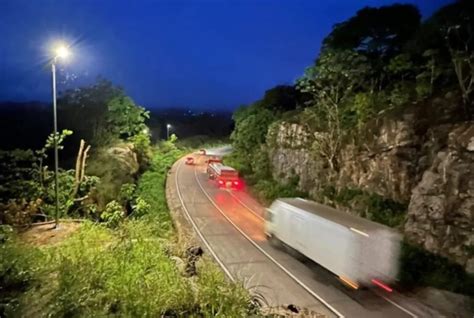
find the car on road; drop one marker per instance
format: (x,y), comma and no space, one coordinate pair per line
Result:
(189,161)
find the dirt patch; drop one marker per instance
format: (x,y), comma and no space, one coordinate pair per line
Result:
(47,234)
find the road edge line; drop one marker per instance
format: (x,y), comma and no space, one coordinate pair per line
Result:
(196,229)
(268,255)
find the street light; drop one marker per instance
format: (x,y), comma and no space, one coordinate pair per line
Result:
(168,126)
(60,52)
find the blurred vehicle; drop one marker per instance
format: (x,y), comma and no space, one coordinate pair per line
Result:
(226,177)
(202,152)
(189,161)
(214,159)
(360,252)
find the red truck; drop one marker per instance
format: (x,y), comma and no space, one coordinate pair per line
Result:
(226,177)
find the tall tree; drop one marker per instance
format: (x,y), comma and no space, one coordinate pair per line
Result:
(332,82)
(281,98)
(375,32)
(124,118)
(84,110)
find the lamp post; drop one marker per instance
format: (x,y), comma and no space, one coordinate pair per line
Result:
(60,52)
(168,126)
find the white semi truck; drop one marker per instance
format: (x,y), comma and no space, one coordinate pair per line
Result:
(358,251)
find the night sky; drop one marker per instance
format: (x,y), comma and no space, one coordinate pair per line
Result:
(196,54)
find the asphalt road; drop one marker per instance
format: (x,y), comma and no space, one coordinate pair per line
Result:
(230,224)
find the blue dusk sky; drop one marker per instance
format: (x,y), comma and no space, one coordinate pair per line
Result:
(206,54)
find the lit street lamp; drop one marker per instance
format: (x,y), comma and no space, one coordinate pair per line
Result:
(61,52)
(168,126)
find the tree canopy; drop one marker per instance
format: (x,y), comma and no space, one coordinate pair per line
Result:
(281,98)
(376,32)
(378,61)
(100,113)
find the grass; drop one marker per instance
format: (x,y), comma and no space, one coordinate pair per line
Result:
(151,186)
(267,191)
(18,268)
(130,271)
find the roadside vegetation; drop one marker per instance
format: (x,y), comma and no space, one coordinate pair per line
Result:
(124,268)
(375,65)
(121,255)
(199,142)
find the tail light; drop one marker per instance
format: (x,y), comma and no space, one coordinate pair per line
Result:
(382,285)
(236,182)
(221,182)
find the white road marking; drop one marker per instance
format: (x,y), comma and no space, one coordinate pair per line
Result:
(221,264)
(266,254)
(397,305)
(353,229)
(227,272)
(246,206)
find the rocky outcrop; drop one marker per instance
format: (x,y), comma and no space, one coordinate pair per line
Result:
(126,156)
(291,155)
(441,210)
(385,165)
(424,159)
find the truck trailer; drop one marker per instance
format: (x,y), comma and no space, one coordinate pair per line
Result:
(360,252)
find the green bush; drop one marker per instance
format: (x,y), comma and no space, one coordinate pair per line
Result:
(421,268)
(113,214)
(65,189)
(241,164)
(140,208)
(123,271)
(142,146)
(126,192)
(18,176)
(369,205)
(269,190)
(385,211)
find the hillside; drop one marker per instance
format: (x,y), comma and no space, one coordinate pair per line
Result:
(381,126)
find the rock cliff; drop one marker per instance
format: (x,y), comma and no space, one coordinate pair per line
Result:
(423,158)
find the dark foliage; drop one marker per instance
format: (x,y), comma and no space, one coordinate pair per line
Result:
(377,32)
(419,267)
(186,123)
(24,125)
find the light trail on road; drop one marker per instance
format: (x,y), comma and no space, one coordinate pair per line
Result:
(311,292)
(208,226)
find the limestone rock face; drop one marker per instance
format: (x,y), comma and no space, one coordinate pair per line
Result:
(411,159)
(441,210)
(385,165)
(291,155)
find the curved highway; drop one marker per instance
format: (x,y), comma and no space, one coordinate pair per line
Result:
(230,224)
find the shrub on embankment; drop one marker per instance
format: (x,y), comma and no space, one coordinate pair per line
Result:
(131,269)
